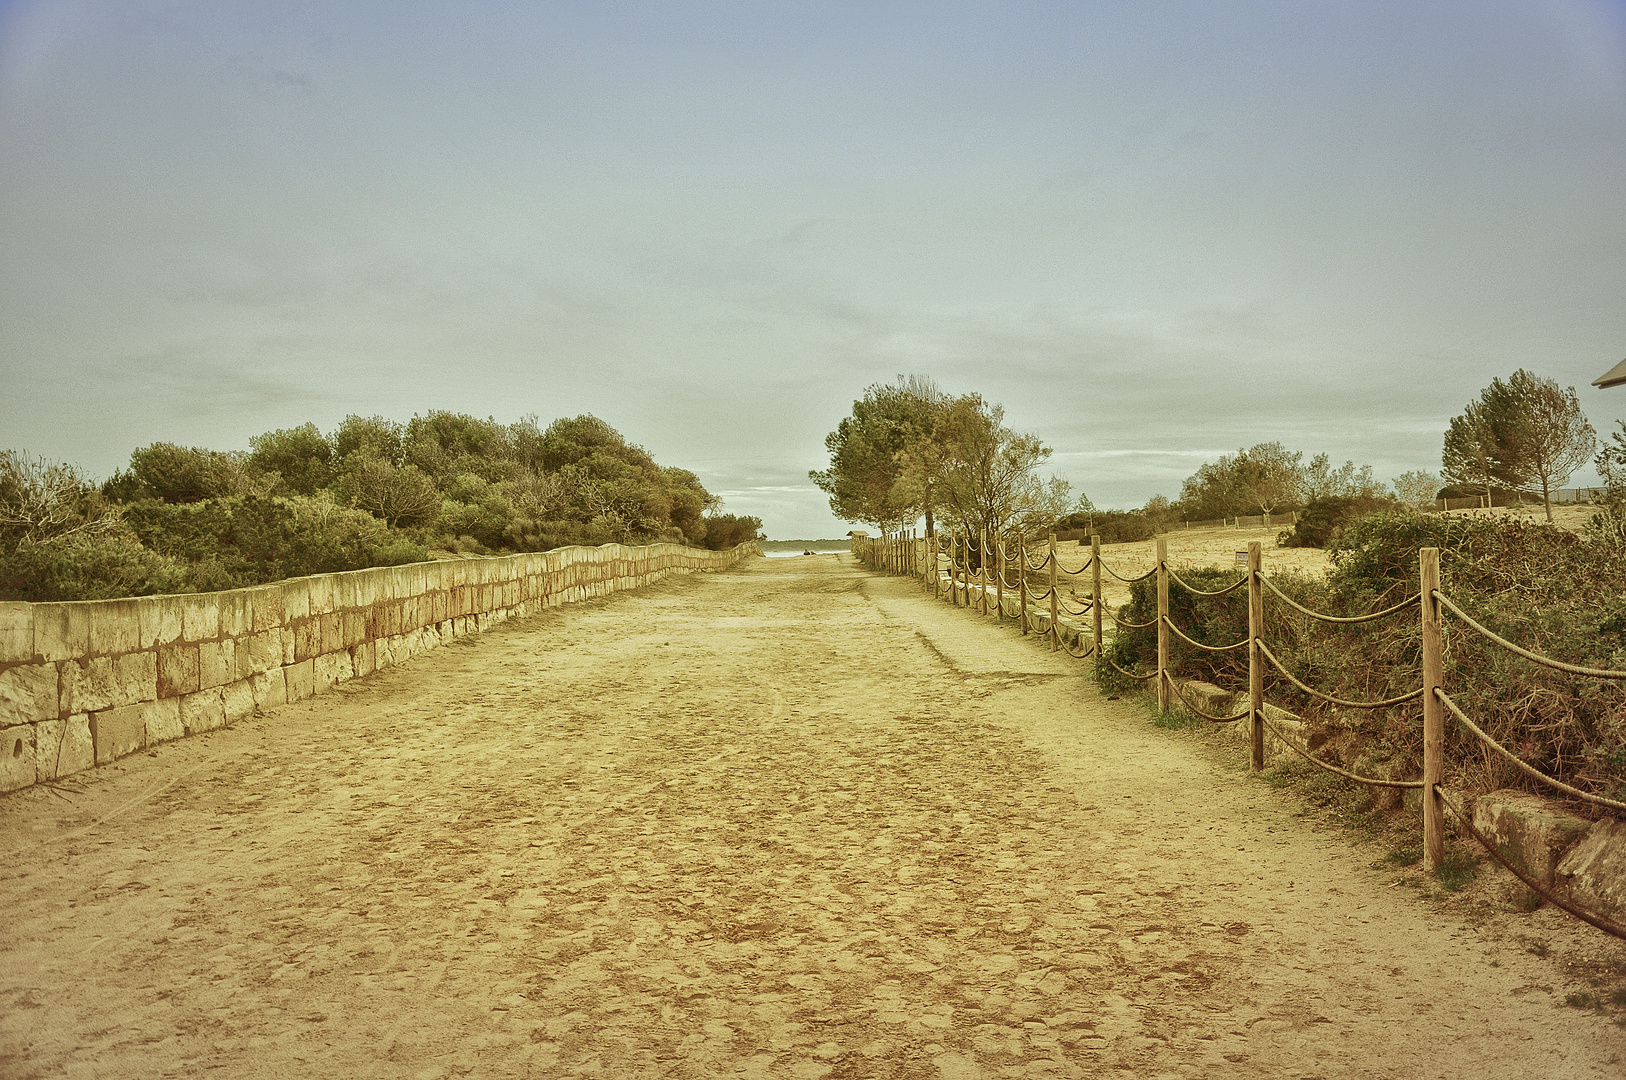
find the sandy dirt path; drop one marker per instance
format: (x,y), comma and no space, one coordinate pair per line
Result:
(789,821)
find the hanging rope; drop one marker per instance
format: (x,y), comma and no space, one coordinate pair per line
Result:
(1312,759)
(1191,641)
(1527,769)
(1231,588)
(1181,694)
(1129,674)
(1545,661)
(1290,602)
(1128,580)
(1312,691)
(1614,929)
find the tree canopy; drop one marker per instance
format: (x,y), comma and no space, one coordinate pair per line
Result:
(909,451)
(371,492)
(1525,434)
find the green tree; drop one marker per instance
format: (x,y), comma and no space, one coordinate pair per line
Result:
(990,475)
(182,474)
(1523,434)
(369,437)
(1262,479)
(399,495)
(884,466)
(1554,437)
(1416,488)
(1270,476)
(301,457)
(1322,481)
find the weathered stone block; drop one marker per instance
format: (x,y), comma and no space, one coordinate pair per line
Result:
(159,620)
(239,700)
(266,608)
(331,668)
(307,639)
(163,720)
(363,659)
(1528,831)
(331,637)
(200,617)
(28,693)
(135,678)
(367,590)
(16,757)
(321,590)
(353,628)
(1593,874)
(16,632)
(63,747)
(87,685)
(262,651)
(217,663)
(117,732)
(177,671)
(296,599)
(61,631)
(270,689)
(384,653)
(203,711)
(289,637)
(114,627)
(344,590)
(301,679)
(236,613)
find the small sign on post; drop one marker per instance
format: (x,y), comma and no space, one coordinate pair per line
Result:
(1242,558)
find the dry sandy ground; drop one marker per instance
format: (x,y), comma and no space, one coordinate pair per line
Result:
(789,821)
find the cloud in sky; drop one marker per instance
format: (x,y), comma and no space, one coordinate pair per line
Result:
(1154,232)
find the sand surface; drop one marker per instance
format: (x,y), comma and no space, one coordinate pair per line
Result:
(794,820)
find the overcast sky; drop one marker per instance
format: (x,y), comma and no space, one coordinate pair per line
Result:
(1154,232)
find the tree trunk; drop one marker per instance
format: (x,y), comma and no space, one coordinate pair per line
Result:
(1547,498)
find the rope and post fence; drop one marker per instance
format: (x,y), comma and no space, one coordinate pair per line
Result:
(925,559)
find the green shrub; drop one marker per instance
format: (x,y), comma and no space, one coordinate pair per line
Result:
(1541,587)
(1323,519)
(724,531)
(101,566)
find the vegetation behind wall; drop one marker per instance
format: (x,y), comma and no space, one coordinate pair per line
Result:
(373,492)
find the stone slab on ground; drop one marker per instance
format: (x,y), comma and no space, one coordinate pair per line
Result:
(1594,872)
(1528,831)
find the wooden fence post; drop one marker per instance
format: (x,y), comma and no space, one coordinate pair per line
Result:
(1022,581)
(954,573)
(963,574)
(1163,685)
(1256,659)
(982,571)
(1055,627)
(931,553)
(1095,589)
(999,577)
(1428,574)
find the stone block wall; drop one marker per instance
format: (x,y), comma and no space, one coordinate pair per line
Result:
(85,683)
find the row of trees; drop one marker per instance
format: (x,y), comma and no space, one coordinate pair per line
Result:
(372,492)
(1269,479)
(909,451)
